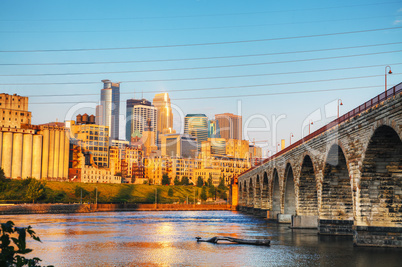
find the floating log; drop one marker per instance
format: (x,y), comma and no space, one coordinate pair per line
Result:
(257,242)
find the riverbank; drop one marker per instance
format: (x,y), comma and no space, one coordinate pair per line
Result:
(86,208)
(16,191)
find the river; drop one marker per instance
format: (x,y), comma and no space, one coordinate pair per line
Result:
(168,239)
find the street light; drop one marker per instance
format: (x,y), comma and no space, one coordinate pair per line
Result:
(339,104)
(277,147)
(290,141)
(309,124)
(389,72)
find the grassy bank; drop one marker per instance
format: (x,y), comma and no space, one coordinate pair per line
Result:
(66,192)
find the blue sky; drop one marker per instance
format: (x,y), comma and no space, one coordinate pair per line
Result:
(46,25)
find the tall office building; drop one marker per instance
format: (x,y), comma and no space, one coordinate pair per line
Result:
(230,125)
(165,114)
(138,112)
(213,129)
(197,126)
(107,113)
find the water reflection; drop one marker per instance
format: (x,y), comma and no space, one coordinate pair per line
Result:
(168,239)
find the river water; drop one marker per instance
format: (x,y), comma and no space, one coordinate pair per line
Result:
(168,239)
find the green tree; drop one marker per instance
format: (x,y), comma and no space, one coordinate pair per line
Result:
(200,181)
(170,192)
(165,179)
(79,190)
(2,175)
(176,181)
(35,190)
(210,180)
(221,185)
(211,191)
(204,193)
(184,180)
(12,253)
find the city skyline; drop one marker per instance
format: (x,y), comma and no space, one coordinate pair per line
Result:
(285,52)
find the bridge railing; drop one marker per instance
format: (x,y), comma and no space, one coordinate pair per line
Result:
(397,89)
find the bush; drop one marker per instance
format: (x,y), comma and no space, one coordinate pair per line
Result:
(170,192)
(176,181)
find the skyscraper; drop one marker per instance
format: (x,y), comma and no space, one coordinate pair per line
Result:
(107,113)
(197,126)
(165,114)
(230,125)
(138,113)
(213,129)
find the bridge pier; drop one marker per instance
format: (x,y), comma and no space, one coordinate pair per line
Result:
(373,236)
(284,218)
(335,227)
(304,222)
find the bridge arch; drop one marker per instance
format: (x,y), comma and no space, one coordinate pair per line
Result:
(289,191)
(257,193)
(381,179)
(336,197)
(250,193)
(275,193)
(265,192)
(307,197)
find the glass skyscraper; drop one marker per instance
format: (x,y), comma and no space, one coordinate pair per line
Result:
(197,125)
(107,113)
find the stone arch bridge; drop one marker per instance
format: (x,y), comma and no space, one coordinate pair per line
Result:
(343,179)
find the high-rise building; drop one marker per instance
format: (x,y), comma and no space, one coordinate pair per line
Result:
(197,126)
(92,138)
(139,113)
(179,145)
(14,111)
(165,114)
(230,125)
(107,113)
(213,129)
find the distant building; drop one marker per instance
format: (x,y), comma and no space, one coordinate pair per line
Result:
(108,112)
(179,145)
(230,126)
(237,148)
(213,129)
(165,114)
(214,146)
(126,162)
(92,138)
(197,126)
(36,151)
(14,111)
(138,112)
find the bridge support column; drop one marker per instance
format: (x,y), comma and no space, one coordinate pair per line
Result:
(304,222)
(284,218)
(374,236)
(273,214)
(335,227)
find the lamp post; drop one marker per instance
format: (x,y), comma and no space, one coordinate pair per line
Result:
(309,124)
(339,104)
(290,141)
(277,148)
(389,72)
